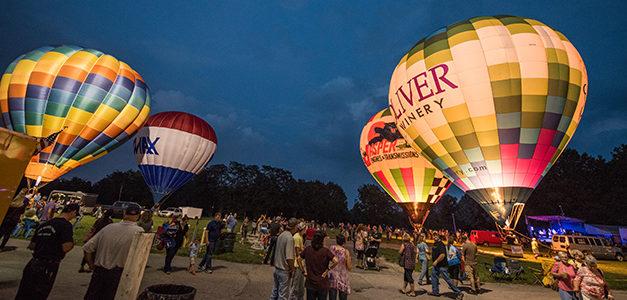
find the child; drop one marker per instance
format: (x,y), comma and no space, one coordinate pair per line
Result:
(193,252)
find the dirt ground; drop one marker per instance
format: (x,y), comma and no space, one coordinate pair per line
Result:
(241,281)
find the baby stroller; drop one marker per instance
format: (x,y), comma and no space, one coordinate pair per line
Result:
(370,256)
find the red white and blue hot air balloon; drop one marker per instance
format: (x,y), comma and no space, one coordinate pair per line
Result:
(171,148)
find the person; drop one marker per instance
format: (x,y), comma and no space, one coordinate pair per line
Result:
(590,281)
(440,268)
(211,238)
(253,230)
(408,251)
(338,276)
(145,221)
(98,225)
(297,289)
(565,273)
(469,256)
(283,261)
(193,253)
(52,240)
(106,254)
(48,212)
(169,241)
(231,222)
(578,259)
(454,257)
(423,251)
(243,230)
(98,212)
(12,217)
(534,248)
(316,264)
(275,227)
(375,236)
(310,233)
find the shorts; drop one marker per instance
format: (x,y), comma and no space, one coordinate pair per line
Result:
(192,260)
(471,271)
(453,271)
(360,254)
(407,277)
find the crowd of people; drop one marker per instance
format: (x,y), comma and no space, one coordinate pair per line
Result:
(304,265)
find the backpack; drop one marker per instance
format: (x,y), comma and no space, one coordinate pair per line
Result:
(455,260)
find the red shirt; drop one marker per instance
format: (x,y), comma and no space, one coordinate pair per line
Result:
(310,233)
(565,284)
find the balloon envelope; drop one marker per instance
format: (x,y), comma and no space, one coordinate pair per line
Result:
(492,102)
(171,148)
(98,101)
(404,174)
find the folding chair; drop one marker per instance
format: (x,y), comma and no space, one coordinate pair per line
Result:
(515,268)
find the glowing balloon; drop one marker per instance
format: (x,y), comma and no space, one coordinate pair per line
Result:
(404,174)
(171,148)
(492,102)
(98,101)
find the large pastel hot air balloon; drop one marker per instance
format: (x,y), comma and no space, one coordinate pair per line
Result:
(87,102)
(171,148)
(404,174)
(491,102)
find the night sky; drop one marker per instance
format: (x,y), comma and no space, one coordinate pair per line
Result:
(291,83)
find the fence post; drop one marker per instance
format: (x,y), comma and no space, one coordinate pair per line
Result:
(134,267)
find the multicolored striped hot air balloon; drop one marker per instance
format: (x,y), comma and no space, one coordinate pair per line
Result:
(492,103)
(171,149)
(87,102)
(404,174)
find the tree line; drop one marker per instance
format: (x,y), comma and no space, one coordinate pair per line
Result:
(579,185)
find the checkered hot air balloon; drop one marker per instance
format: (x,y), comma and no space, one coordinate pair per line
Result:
(93,101)
(491,102)
(171,148)
(402,172)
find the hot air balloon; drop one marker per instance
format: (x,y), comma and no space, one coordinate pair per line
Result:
(491,102)
(403,173)
(171,148)
(85,102)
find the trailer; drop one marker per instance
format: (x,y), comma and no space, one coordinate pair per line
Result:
(191,212)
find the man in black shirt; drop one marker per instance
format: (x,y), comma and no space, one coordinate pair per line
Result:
(440,267)
(375,236)
(275,230)
(51,241)
(213,233)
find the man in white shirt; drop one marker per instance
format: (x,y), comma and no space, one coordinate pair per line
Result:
(110,245)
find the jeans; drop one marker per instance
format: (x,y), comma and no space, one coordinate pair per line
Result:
(317,295)
(566,295)
(169,255)
(333,295)
(281,288)
(270,253)
(424,270)
(437,271)
(103,284)
(206,261)
(297,290)
(37,279)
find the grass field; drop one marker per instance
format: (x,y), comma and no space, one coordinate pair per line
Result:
(615,271)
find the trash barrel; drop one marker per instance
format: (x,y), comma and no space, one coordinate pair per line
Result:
(228,242)
(168,292)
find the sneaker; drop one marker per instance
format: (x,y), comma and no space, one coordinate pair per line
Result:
(460,296)
(168,272)
(433,294)
(209,271)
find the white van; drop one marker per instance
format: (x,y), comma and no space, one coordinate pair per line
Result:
(598,247)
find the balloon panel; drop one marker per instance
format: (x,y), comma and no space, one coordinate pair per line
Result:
(404,174)
(171,149)
(98,101)
(490,101)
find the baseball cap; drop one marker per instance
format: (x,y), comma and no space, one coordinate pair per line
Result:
(132,209)
(292,222)
(301,226)
(72,207)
